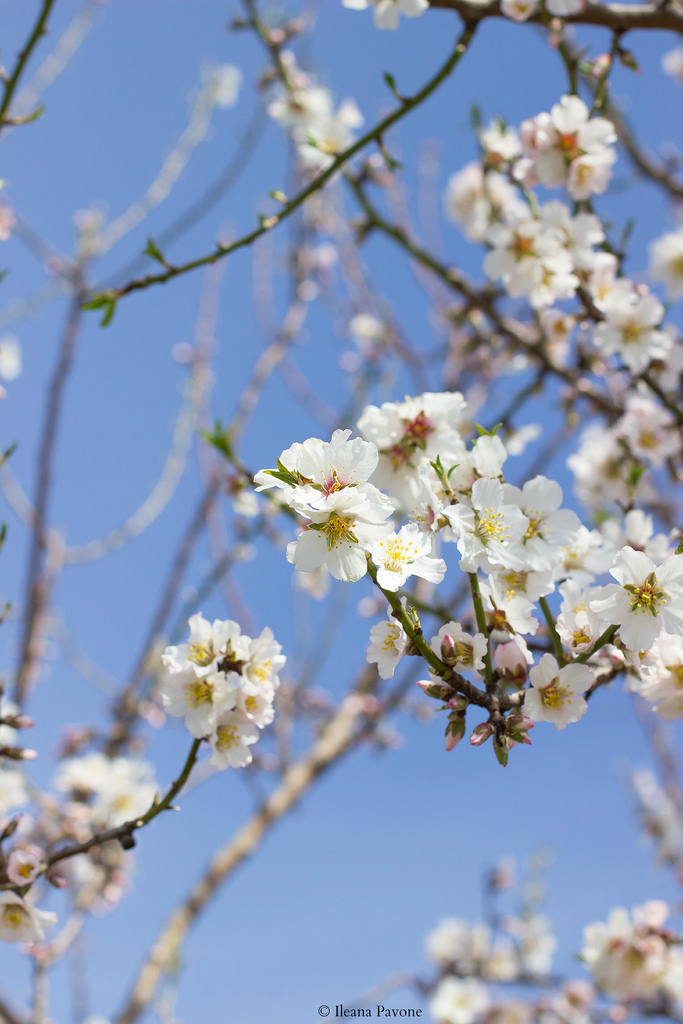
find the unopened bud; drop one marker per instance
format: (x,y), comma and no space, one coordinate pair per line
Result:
(455,730)
(519,723)
(555,32)
(447,647)
(501,749)
(458,703)
(18,753)
(55,878)
(600,65)
(510,659)
(481,733)
(17,721)
(10,828)
(628,59)
(436,690)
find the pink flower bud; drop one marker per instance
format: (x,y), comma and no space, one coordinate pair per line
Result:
(55,878)
(519,723)
(436,690)
(458,703)
(18,753)
(511,661)
(600,65)
(481,733)
(18,721)
(455,730)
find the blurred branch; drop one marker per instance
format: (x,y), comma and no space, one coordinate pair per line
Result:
(165,486)
(519,335)
(245,149)
(125,708)
(170,171)
(37,582)
(53,65)
(10,1016)
(340,735)
(267,223)
(124,833)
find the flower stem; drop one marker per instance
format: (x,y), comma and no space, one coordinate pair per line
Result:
(480,616)
(552,629)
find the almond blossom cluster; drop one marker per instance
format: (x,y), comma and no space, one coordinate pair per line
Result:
(550,254)
(517,545)
(633,955)
(223,684)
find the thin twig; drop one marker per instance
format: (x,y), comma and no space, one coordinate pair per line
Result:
(39,30)
(267,223)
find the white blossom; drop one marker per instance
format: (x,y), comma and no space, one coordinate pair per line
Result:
(555,694)
(647,599)
(459,1001)
(387,12)
(388,644)
(406,553)
(22,922)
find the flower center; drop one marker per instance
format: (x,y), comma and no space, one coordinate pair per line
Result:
(390,639)
(647,597)
(567,144)
(522,246)
(491,525)
(514,582)
(631,332)
(463,652)
(555,695)
(334,483)
(226,737)
(199,693)
(676,675)
(14,916)
(201,654)
(418,430)
(535,523)
(397,554)
(338,531)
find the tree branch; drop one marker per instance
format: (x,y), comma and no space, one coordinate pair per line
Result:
(408,104)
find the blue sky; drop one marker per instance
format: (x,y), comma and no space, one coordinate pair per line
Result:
(343,890)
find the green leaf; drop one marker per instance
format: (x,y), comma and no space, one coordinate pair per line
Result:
(109,311)
(151,249)
(221,439)
(107,302)
(7,453)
